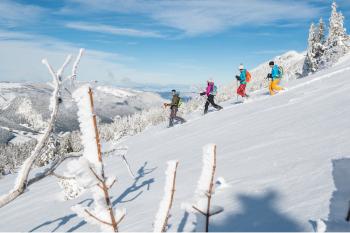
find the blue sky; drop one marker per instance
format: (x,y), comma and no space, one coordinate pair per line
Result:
(162,42)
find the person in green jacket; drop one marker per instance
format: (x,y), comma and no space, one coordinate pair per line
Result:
(174,107)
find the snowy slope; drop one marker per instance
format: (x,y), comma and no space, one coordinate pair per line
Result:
(285,159)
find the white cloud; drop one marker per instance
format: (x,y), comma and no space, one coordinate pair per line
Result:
(195,17)
(101,28)
(23,54)
(13,14)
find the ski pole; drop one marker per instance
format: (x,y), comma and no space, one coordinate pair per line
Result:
(236,91)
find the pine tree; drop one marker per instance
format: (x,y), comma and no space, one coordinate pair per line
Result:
(311,62)
(321,31)
(336,44)
(336,24)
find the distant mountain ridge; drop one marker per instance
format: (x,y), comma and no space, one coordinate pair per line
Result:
(25,106)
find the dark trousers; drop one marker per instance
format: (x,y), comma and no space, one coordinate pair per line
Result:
(210,100)
(173,116)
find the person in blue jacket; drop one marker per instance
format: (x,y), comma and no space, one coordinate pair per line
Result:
(242,78)
(275,76)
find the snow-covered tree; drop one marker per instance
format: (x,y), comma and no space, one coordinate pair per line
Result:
(322,52)
(336,24)
(311,60)
(321,31)
(337,42)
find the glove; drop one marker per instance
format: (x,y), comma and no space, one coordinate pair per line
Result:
(203,93)
(238,78)
(269,76)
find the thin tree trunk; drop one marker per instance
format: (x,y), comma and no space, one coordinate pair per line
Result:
(171,200)
(104,186)
(210,191)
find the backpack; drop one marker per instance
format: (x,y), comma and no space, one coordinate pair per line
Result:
(248,76)
(214,91)
(180,102)
(280,71)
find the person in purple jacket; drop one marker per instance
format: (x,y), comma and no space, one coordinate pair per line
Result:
(210,92)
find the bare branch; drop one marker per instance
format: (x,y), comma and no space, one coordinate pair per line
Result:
(112,184)
(97,177)
(200,211)
(216,212)
(96,218)
(121,219)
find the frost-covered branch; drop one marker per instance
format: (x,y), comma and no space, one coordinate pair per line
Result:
(92,166)
(205,189)
(22,178)
(122,151)
(75,65)
(3,97)
(51,169)
(161,222)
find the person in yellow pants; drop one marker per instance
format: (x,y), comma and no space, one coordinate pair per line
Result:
(276,76)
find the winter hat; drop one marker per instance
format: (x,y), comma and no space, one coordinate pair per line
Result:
(271,63)
(241,67)
(210,80)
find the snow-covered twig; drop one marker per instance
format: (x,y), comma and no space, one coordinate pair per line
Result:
(22,178)
(75,65)
(51,169)
(205,188)
(123,151)
(3,97)
(128,166)
(161,222)
(103,213)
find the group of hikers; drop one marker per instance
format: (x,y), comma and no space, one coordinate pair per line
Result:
(211,91)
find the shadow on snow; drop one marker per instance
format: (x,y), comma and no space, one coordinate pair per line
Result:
(257,213)
(135,186)
(143,171)
(63,220)
(339,203)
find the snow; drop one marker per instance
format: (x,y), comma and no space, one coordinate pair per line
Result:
(163,211)
(284,159)
(207,171)
(85,116)
(120,93)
